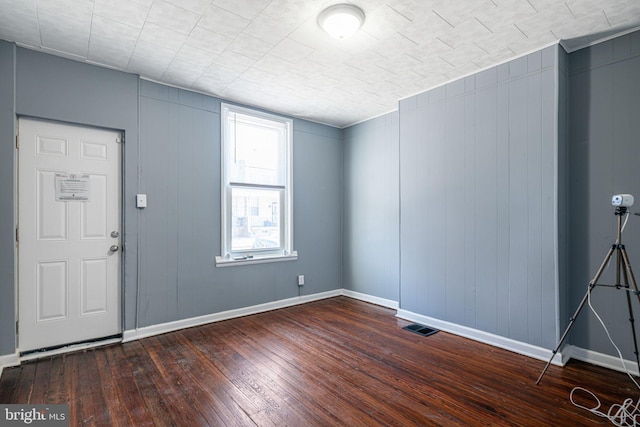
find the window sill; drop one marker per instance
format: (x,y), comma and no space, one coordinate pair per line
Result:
(223,262)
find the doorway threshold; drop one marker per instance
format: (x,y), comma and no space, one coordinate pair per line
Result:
(69,348)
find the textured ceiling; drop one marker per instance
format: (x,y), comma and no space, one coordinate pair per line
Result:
(271,53)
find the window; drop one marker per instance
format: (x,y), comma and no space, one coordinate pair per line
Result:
(256,186)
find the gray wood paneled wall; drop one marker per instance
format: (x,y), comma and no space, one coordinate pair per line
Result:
(604,148)
(7,197)
(371,208)
(478,200)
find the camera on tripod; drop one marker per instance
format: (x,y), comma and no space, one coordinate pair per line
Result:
(622,200)
(624,278)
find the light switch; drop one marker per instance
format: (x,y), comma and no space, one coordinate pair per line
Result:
(141,200)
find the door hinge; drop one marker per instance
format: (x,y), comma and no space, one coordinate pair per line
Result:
(16,327)
(17,141)
(120,139)
(17,234)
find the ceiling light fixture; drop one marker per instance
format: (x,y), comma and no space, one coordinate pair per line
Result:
(341,20)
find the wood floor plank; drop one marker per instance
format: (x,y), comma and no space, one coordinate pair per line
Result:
(250,393)
(92,407)
(374,379)
(157,409)
(41,382)
(337,361)
(165,389)
(115,404)
(279,364)
(24,388)
(122,374)
(332,371)
(70,384)
(9,385)
(216,400)
(57,393)
(265,389)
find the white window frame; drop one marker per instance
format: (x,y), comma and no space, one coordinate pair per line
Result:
(253,256)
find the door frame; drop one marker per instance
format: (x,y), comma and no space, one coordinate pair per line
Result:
(65,348)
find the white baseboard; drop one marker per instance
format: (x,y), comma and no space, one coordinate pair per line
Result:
(8,361)
(525,349)
(604,360)
(148,331)
(371,299)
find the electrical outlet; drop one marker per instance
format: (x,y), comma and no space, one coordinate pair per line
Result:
(301,280)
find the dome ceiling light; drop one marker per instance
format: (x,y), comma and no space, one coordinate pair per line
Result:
(341,20)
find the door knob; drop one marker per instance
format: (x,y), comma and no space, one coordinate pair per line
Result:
(114,248)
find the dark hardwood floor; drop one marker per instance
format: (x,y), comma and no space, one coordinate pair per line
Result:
(332,362)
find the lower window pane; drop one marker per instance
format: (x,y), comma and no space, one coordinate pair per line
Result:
(255,215)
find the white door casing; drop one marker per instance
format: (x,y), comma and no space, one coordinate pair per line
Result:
(69,256)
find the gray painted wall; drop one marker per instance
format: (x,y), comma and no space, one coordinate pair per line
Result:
(371,207)
(180,230)
(604,148)
(478,162)
(7,207)
(564,207)
(172,153)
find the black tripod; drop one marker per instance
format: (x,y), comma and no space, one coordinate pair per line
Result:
(623,268)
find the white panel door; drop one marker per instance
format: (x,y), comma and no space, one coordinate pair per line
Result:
(69,225)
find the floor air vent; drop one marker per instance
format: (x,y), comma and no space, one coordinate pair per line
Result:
(421,329)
